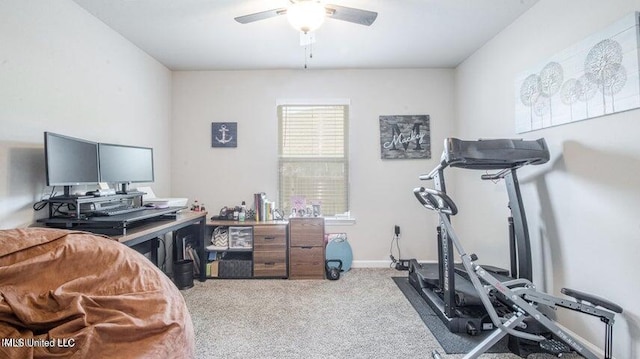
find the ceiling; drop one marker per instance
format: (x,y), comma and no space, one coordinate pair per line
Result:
(203,35)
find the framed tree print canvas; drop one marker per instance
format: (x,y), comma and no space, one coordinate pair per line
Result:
(596,77)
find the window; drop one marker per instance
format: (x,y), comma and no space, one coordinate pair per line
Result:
(313,156)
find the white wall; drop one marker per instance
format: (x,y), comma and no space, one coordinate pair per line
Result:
(62,70)
(582,206)
(380,191)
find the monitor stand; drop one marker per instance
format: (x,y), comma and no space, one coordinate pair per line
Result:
(66,195)
(124,189)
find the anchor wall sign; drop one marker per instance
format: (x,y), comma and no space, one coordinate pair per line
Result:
(224,134)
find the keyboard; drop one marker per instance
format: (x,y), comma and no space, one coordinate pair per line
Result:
(117,210)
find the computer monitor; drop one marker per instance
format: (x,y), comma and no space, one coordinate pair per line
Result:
(125,164)
(70,161)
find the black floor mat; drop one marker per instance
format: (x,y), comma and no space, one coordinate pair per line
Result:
(452,343)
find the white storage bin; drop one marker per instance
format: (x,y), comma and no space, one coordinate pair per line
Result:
(240,237)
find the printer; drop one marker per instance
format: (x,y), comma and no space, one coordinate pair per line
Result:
(150,197)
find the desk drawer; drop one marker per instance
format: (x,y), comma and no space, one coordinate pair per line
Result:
(270,256)
(306,232)
(306,263)
(275,230)
(270,238)
(270,263)
(270,269)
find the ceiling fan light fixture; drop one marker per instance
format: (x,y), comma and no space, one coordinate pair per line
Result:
(306,15)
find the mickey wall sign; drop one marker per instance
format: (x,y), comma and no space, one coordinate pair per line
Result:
(224,134)
(405,137)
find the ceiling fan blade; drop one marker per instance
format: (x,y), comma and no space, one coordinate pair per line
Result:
(245,19)
(358,16)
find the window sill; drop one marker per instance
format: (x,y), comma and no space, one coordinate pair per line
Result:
(339,221)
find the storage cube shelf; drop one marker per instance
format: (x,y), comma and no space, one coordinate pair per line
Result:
(274,249)
(255,250)
(235,265)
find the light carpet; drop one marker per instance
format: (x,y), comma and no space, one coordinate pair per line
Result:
(361,315)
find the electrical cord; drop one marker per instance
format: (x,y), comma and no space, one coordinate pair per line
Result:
(164,254)
(70,212)
(38,206)
(42,203)
(394,261)
(56,209)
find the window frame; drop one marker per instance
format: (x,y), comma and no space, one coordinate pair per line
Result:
(345,159)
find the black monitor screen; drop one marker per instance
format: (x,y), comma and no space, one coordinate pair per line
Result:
(70,161)
(124,164)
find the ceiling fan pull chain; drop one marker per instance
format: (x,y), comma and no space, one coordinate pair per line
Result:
(305,56)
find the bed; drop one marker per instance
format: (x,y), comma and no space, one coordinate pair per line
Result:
(69,294)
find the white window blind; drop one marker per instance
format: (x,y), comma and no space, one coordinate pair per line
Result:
(313,156)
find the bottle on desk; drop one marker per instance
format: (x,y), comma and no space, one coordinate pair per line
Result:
(243,212)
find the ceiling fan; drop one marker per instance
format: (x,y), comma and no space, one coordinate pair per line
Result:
(308,15)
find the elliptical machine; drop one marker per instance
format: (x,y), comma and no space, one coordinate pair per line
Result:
(521,296)
(443,285)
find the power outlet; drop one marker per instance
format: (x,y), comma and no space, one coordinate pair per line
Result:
(397,230)
(402,264)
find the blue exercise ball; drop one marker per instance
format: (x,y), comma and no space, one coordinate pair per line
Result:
(339,248)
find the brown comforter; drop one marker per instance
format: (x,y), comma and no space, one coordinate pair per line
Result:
(70,294)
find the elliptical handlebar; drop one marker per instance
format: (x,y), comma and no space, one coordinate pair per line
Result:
(435,200)
(433,173)
(495,176)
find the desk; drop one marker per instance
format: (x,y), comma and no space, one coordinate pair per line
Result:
(145,236)
(116,225)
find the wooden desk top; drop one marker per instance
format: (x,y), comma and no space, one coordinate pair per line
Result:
(164,225)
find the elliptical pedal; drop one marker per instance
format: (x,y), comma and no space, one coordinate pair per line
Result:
(555,347)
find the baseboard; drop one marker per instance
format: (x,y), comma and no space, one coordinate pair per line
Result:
(599,352)
(371,264)
(379,264)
